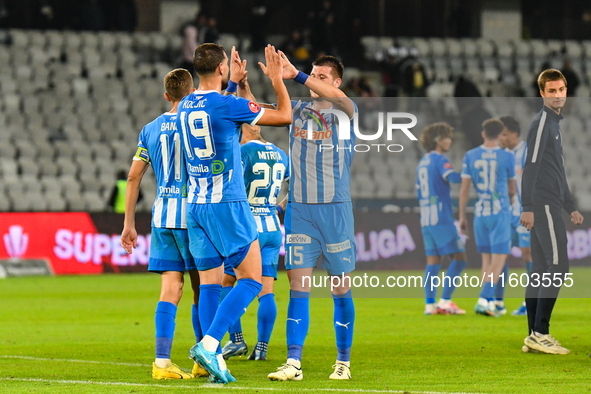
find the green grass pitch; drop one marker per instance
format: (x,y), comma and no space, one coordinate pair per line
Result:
(95,334)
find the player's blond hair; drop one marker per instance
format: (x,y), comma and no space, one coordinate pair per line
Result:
(548,75)
(433,133)
(178,83)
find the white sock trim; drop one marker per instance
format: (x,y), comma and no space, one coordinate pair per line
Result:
(163,362)
(210,343)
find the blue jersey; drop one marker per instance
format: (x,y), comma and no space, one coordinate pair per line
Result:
(265,168)
(210,126)
(520,152)
(160,145)
(433,191)
(319,160)
(490,170)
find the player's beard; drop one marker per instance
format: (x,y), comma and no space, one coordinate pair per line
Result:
(225,83)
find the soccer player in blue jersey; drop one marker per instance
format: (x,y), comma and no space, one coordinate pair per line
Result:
(434,174)
(319,214)
(265,168)
(520,237)
(492,170)
(159,145)
(222,230)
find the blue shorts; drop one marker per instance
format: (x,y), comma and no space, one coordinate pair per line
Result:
(493,233)
(220,233)
(270,243)
(314,228)
(169,251)
(442,240)
(520,237)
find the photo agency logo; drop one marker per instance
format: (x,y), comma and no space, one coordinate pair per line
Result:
(332,130)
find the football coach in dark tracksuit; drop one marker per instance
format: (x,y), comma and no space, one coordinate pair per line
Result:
(545,193)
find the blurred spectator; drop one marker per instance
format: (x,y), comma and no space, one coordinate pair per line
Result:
(202,27)
(414,78)
(190,43)
(359,87)
(296,49)
(465,88)
(211,34)
(117,198)
(473,114)
(572,79)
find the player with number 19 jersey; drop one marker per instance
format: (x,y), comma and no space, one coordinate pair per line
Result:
(160,145)
(219,221)
(434,173)
(490,170)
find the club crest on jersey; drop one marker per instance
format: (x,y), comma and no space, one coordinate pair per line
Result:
(254,107)
(447,166)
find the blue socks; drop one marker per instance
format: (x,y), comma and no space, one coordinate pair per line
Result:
(233,307)
(455,269)
(208,298)
(298,322)
(236,330)
(431,293)
(164,319)
(196,324)
(488,291)
(266,315)
(344,320)
(500,290)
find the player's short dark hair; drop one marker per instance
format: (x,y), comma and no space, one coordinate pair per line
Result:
(332,62)
(511,124)
(492,128)
(433,133)
(548,75)
(208,57)
(178,83)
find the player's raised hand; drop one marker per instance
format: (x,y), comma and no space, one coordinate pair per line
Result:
(129,239)
(576,218)
(237,66)
(289,70)
(273,69)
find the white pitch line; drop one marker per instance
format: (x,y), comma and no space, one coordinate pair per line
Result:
(75,361)
(219,386)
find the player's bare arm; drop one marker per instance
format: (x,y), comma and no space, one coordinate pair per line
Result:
(129,234)
(512,189)
(464,194)
(318,83)
(281,116)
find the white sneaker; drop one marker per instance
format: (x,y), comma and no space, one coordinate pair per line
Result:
(341,372)
(545,344)
(287,372)
(430,309)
